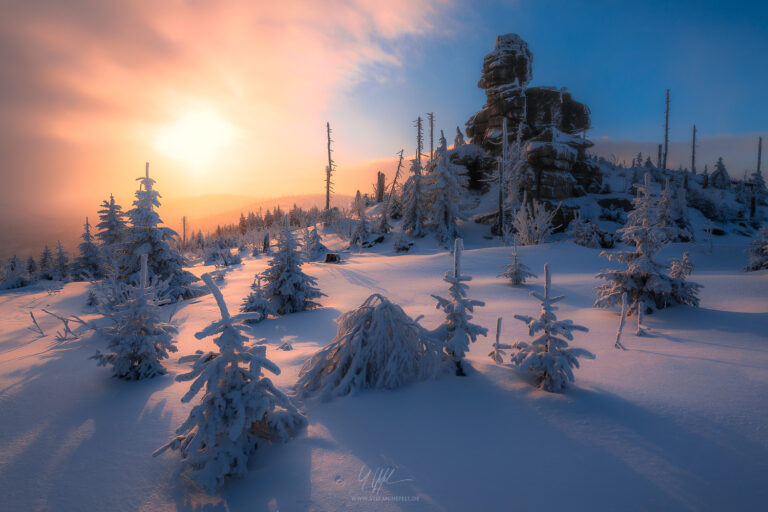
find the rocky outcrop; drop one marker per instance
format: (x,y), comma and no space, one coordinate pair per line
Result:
(550,121)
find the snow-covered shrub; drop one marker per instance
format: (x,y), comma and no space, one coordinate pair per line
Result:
(313,247)
(219,253)
(288,289)
(547,356)
(383,225)
(613,214)
(360,232)
(533,223)
(256,303)
(680,268)
(588,234)
(456,331)
(377,346)
(517,272)
(138,339)
(644,280)
(758,251)
(400,242)
(13,274)
(239,408)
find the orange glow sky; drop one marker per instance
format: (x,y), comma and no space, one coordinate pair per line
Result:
(103,80)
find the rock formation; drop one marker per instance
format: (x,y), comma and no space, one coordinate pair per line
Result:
(551,123)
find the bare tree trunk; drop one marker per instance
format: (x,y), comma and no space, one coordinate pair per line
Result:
(431,118)
(397,174)
(666,134)
(328,170)
(658,159)
(419,138)
(380,185)
(693,152)
(621,323)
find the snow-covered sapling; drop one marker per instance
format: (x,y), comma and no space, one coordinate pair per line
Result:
(377,346)
(239,407)
(456,332)
(517,272)
(256,303)
(288,289)
(547,356)
(313,246)
(533,222)
(498,352)
(139,339)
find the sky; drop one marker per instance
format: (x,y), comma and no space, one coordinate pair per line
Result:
(232,97)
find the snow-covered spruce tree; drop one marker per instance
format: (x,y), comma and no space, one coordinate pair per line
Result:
(139,339)
(13,274)
(32,268)
(680,268)
(313,247)
(219,252)
(256,303)
(112,228)
(288,289)
(456,331)
(547,356)
(445,189)
(383,225)
(720,177)
(45,265)
(414,209)
(533,222)
(60,264)
(517,272)
(588,234)
(87,265)
(667,219)
(240,407)
(459,139)
(360,233)
(758,251)
(644,280)
(145,236)
(377,346)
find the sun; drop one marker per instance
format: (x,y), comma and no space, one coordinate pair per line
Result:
(196,137)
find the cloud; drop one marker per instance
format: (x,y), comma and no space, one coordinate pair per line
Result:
(87,84)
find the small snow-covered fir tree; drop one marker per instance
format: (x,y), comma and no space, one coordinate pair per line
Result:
(644,280)
(517,272)
(60,264)
(88,264)
(383,225)
(313,246)
(255,301)
(681,268)
(758,251)
(139,339)
(459,139)
(414,209)
(112,228)
(548,356)
(456,332)
(667,217)
(145,236)
(377,346)
(360,233)
(240,407)
(445,190)
(45,265)
(288,289)
(720,177)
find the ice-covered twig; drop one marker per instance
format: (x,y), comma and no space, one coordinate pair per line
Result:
(36,327)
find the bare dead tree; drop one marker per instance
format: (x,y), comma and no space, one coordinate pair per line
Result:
(397,174)
(36,327)
(431,119)
(419,138)
(380,185)
(693,152)
(329,170)
(666,133)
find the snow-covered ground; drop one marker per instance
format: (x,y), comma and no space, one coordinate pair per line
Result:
(679,421)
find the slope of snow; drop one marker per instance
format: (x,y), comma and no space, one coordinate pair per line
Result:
(679,421)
